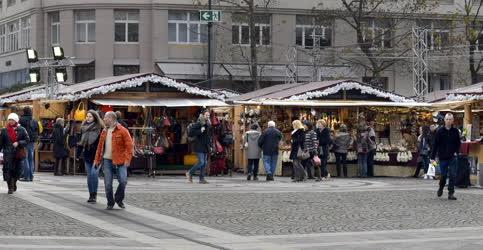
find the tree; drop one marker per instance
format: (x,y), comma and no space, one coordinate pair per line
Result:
(473,33)
(381,28)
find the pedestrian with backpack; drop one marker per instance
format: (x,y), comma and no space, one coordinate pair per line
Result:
(32,128)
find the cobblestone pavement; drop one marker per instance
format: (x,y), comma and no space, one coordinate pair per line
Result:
(231,213)
(306,213)
(22,218)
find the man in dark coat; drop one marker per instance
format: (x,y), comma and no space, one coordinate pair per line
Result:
(32,128)
(202,145)
(323,134)
(446,146)
(269,142)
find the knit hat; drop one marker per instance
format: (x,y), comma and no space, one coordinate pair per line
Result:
(14,117)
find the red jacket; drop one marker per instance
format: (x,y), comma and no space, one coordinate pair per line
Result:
(122,146)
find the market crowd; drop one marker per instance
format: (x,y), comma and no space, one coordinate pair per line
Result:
(106,143)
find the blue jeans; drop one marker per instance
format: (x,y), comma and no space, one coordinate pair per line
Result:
(201,165)
(362,161)
(92,177)
(270,164)
(108,168)
(28,164)
(448,170)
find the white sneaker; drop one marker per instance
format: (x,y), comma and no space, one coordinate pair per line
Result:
(425,177)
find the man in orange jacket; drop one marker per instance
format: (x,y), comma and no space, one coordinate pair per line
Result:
(114,151)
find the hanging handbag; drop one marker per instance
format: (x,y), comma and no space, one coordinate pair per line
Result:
(80,113)
(21,153)
(317,161)
(219,147)
(302,154)
(166,122)
(158,150)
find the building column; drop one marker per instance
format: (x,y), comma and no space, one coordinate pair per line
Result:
(146,41)
(104,50)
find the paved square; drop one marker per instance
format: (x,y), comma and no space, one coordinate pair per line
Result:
(22,218)
(305,213)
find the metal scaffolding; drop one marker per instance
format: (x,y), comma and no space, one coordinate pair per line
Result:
(420,62)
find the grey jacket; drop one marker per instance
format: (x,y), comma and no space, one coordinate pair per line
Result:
(253,150)
(342,142)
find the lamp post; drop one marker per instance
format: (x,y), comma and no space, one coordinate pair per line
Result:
(56,67)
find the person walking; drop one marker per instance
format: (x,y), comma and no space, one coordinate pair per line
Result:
(362,143)
(311,143)
(32,128)
(269,142)
(424,147)
(372,148)
(253,151)
(323,135)
(114,151)
(59,138)
(13,141)
(202,145)
(298,139)
(342,142)
(90,132)
(446,147)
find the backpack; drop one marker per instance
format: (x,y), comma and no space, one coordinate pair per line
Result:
(33,130)
(190,128)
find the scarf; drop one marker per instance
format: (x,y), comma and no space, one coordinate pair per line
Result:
(90,133)
(12,134)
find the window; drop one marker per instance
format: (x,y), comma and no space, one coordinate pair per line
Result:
(54,28)
(25,32)
(8,79)
(185,27)
(3,38)
(438,34)
(84,73)
(377,33)
(439,81)
(126,26)
(120,70)
(241,30)
(12,36)
(1,4)
(309,28)
(85,26)
(11,3)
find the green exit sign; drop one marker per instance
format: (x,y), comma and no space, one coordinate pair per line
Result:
(210,15)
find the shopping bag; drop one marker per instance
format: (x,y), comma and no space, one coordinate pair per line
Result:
(431,170)
(317,161)
(302,154)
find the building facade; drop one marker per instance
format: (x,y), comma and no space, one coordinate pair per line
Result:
(114,37)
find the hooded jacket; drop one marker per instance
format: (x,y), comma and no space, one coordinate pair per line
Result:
(251,139)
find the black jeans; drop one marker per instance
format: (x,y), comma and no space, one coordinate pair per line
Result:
(309,167)
(341,159)
(370,163)
(324,156)
(253,166)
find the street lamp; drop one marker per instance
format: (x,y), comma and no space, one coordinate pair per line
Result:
(32,56)
(34,75)
(58,52)
(61,75)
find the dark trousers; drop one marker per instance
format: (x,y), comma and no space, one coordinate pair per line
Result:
(253,166)
(309,167)
(324,156)
(424,163)
(370,163)
(448,170)
(341,161)
(59,166)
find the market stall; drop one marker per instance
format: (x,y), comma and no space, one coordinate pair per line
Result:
(156,110)
(338,102)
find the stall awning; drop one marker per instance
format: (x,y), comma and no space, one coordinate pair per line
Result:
(161,102)
(333,103)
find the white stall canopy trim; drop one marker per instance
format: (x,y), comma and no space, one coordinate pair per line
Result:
(161,102)
(333,103)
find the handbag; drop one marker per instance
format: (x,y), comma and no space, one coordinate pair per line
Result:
(80,113)
(431,170)
(158,150)
(317,161)
(219,147)
(21,154)
(302,154)
(166,122)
